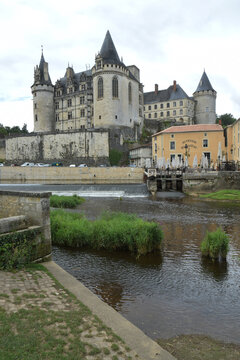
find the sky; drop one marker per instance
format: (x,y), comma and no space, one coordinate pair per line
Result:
(166,39)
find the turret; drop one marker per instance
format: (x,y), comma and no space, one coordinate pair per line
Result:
(205,97)
(43,93)
(116,89)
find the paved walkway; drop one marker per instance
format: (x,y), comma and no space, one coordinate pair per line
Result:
(33,289)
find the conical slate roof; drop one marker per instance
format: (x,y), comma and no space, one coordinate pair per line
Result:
(41,68)
(108,51)
(204,83)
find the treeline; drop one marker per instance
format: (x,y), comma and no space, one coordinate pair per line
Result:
(7,130)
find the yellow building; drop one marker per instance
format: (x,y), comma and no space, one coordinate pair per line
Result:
(189,140)
(233,141)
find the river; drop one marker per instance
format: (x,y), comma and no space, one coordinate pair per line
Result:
(172,293)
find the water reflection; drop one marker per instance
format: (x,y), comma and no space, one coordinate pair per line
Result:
(218,270)
(175,292)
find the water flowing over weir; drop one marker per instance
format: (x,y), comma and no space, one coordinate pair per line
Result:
(85,190)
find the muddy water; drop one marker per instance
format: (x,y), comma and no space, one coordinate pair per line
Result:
(175,292)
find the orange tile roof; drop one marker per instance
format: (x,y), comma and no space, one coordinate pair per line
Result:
(191,128)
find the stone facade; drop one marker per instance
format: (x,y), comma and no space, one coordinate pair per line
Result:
(233,141)
(139,155)
(68,147)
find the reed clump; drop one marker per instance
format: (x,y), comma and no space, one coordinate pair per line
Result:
(215,244)
(112,231)
(62,201)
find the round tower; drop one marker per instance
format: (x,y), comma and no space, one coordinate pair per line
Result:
(205,98)
(43,94)
(116,90)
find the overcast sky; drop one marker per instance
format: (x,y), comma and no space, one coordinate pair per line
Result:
(166,39)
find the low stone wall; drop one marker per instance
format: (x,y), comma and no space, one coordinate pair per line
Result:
(36,209)
(210,181)
(18,174)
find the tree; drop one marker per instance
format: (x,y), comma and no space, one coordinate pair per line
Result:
(226,119)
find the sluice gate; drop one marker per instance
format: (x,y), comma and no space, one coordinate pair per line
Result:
(164,180)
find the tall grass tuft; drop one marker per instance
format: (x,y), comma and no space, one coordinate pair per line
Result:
(65,201)
(112,231)
(215,244)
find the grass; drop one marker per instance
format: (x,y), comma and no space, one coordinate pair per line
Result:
(215,244)
(42,333)
(112,231)
(223,195)
(69,202)
(200,347)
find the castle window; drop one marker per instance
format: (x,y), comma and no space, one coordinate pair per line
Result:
(35,94)
(83,87)
(70,90)
(140,112)
(69,103)
(115,116)
(130,93)
(57,105)
(181,103)
(99,117)
(205,142)
(149,107)
(174,103)
(58,93)
(140,99)
(100,88)
(82,99)
(82,113)
(115,87)
(161,114)
(207,109)
(181,111)
(174,112)
(149,116)
(155,115)
(161,106)
(36,118)
(168,105)
(155,107)
(98,64)
(57,117)
(69,115)
(144,108)
(35,106)
(168,113)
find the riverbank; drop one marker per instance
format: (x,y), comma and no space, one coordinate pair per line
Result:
(48,313)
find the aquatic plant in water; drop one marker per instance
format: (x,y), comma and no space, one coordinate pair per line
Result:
(215,244)
(112,231)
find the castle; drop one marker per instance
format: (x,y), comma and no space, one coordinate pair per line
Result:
(108,96)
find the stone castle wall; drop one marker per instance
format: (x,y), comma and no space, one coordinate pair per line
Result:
(67,147)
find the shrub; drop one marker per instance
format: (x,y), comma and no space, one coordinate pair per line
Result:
(113,231)
(114,157)
(65,201)
(215,244)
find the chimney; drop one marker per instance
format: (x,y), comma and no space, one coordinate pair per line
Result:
(156,89)
(220,121)
(174,85)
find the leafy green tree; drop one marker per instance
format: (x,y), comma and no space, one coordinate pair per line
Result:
(226,119)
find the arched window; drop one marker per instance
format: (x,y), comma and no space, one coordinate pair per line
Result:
(115,87)
(100,88)
(130,93)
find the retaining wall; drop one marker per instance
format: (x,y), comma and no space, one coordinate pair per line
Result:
(18,174)
(36,209)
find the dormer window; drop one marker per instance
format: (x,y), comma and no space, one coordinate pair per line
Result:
(70,90)
(99,65)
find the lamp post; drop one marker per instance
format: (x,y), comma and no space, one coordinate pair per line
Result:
(187,150)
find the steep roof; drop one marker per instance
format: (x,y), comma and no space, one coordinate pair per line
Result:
(108,51)
(165,95)
(41,68)
(76,78)
(192,128)
(204,83)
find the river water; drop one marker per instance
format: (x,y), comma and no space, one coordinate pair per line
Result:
(172,293)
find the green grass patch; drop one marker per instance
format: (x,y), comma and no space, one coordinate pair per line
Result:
(112,231)
(215,244)
(223,195)
(69,202)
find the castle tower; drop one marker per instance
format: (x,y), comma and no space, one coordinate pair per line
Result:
(205,97)
(116,90)
(43,92)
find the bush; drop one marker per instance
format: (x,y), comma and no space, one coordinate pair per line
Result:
(113,231)
(65,201)
(215,244)
(114,157)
